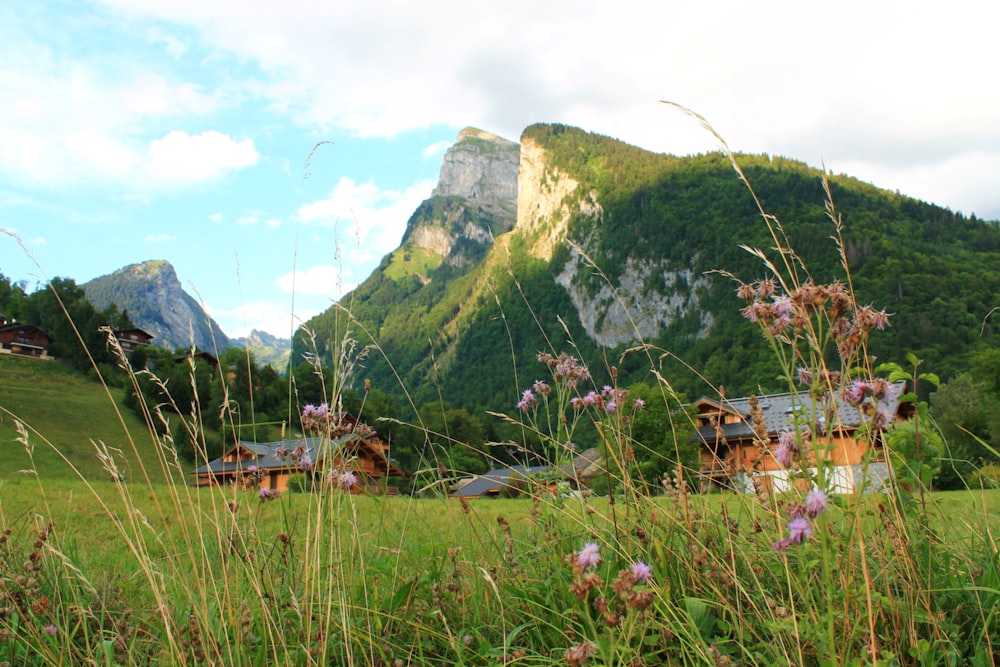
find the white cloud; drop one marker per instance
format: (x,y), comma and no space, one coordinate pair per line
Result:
(370,221)
(249,218)
(159,238)
(180,157)
(320,280)
(215,217)
(38,241)
(772,76)
(435,149)
(272,316)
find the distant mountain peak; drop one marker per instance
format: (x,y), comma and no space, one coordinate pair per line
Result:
(156,302)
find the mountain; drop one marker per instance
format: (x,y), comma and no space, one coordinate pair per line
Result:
(267,348)
(593,246)
(156,302)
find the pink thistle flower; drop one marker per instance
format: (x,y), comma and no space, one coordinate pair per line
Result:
(882,419)
(541,388)
(266,494)
(856,392)
(50,630)
(746,292)
(641,572)
(799,530)
(611,406)
(805,376)
(570,447)
(590,398)
(787,448)
(577,403)
(309,410)
(251,469)
(607,390)
(766,288)
(638,404)
(527,399)
(783,306)
(578,654)
(306,462)
(348,480)
(816,503)
(589,555)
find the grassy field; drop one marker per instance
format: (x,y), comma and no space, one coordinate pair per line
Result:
(65,414)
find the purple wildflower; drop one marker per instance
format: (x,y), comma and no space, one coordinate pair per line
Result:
(805,375)
(857,392)
(641,572)
(265,493)
(611,406)
(783,306)
(766,288)
(816,503)
(799,530)
(577,403)
(607,390)
(309,410)
(541,388)
(787,449)
(882,419)
(50,629)
(251,469)
(347,479)
(590,399)
(589,555)
(570,447)
(306,462)
(638,404)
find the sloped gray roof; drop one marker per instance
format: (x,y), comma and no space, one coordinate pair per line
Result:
(496,480)
(781,410)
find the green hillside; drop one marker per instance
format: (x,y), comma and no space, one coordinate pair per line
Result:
(469,335)
(67,411)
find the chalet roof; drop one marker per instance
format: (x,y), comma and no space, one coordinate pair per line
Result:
(496,480)
(780,410)
(267,455)
(587,464)
(136,330)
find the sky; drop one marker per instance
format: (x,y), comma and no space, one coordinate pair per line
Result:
(273,152)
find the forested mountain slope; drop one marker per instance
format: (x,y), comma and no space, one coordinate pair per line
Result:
(614,245)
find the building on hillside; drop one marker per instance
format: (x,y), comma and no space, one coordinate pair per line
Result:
(198,355)
(24,340)
(272,464)
(512,480)
(132,339)
(739,439)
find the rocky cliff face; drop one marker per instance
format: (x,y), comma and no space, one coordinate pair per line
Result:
(482,169)
(474,201)
(157,303)
(615,308)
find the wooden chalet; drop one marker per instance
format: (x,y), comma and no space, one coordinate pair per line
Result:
(272,464)
(739,437)
(132,339)
(24,340)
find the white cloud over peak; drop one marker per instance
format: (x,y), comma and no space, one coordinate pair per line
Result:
(369,220)
(180,157)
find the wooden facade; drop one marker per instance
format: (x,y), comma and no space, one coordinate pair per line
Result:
(24,340)
(132,339)
(272,464)
(739,438)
